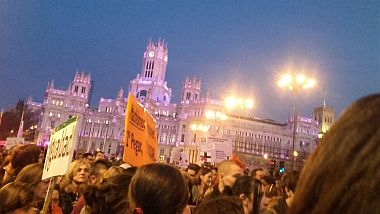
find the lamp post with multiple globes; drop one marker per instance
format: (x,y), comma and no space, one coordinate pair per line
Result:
(295,83)
(233,103)
(204,127)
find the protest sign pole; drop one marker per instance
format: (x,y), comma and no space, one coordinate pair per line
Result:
(48,195)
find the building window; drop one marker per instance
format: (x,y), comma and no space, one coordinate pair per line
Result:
(143,93)
(83,90)
(76,88)
(188,95)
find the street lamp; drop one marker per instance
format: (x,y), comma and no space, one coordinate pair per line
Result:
(295,83)
(197,127)
(234,102)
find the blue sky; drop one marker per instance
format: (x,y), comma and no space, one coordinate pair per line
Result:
(240,46)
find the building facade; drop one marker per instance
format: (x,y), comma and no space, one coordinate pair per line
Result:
(102,128)
(324,115)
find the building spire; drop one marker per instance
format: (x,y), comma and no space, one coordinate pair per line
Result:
(324,97)
(21,127)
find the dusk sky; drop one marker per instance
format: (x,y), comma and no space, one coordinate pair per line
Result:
(232,46)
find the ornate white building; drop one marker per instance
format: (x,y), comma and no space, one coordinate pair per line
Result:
(103,127)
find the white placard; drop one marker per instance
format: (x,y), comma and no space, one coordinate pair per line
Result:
(61,149)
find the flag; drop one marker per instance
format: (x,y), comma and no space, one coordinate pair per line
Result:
(21,127)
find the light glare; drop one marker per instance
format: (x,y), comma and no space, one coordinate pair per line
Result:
(300,78)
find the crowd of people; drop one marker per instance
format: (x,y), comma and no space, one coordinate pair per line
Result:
(341,176)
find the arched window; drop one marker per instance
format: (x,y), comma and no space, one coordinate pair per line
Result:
(143,93)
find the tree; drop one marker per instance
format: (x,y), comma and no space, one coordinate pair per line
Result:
(11,121)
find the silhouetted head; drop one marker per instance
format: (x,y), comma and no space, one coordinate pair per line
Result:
(158,188)
(342,175)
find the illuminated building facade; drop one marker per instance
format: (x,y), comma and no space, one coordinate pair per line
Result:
(103,127)
(324,115)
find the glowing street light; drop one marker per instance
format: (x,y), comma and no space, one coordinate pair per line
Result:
(295,153)
(199,127)
(295,83)
(233,102)
(210,114)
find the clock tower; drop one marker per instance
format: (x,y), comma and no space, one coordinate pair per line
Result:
(150,84)
(154,61)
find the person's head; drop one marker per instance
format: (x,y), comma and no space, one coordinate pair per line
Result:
(55,196)
(99,155)
(23,156)
(205,176)
(258,173)
(88,156)
(193,169)
(109,196)
(32,175)
(289,184)
(16,198)
(245,188)
(214,172)
(228,171)
(77,156)
(97,170)
(5,167)
(342,174)
(158,188)
(270,191)
(221,205)
(77,173)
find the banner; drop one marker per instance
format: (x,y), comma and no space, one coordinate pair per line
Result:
(215,149)
(140,136)
(61,149)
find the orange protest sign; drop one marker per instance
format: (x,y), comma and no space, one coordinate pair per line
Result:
(140,136)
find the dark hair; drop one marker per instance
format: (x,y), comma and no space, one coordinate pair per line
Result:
(98,151)
(247,185)
(31,174)
(221,205)
(194,167)
(109,196)
(15,196)
(87,154)
(290,180)
(25,155)
(203,171)
(158,188)
(267,180)
(98,166)
(253,173)
(243,185)
(342,174)
(22,156)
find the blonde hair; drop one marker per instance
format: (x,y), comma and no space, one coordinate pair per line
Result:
(73,168)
